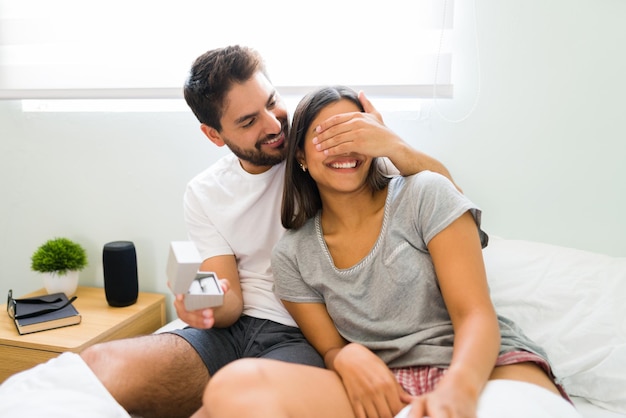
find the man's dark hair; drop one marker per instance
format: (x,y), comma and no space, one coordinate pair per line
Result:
(213,74)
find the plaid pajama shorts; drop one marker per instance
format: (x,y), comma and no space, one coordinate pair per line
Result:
(423,379)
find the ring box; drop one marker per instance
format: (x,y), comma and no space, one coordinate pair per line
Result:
(201,288)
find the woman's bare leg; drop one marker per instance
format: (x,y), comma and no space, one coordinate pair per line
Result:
(158,375)
(268,388)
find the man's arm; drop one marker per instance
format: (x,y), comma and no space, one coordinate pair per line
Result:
(366,133)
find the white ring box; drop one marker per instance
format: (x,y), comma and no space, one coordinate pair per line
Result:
(201,288)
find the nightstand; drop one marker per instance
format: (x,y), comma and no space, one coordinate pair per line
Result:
(100,322)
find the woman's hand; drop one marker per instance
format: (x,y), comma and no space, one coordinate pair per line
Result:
(371,387)
(448,400)
(201,318)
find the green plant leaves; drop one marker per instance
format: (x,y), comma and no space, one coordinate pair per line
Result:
(60,255)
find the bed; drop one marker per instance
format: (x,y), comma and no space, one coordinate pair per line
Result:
(572,303)
(569,301)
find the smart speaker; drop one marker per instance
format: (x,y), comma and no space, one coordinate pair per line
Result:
(119,260)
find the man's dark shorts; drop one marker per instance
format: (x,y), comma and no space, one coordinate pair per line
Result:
(250,337)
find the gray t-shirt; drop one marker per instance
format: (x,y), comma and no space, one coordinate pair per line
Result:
(389,301)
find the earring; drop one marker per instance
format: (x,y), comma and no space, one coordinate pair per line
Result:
(303,167)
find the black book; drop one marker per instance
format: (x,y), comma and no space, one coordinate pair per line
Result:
(44,312)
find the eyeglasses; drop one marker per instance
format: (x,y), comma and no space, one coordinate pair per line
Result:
(12,305)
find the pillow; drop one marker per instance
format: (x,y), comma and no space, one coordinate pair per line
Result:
(63,387)
(572,303)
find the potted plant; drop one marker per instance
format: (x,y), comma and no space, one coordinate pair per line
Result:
(60,260)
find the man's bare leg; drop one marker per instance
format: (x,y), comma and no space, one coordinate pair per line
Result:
(157,375)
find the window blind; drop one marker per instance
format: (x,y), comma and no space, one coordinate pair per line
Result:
(76,49)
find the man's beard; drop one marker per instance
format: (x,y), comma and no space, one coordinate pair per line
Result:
(257,157)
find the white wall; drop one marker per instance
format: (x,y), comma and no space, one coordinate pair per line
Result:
(543,153)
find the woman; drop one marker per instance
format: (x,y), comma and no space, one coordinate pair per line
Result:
(385,277)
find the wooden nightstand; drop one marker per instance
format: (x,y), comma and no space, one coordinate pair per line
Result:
(100,322)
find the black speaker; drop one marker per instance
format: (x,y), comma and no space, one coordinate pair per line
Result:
(121,285)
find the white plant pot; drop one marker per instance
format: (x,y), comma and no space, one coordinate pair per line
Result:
(56,283)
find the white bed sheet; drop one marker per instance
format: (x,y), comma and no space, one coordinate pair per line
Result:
(589,410)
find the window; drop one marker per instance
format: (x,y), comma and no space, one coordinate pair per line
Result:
(76,49)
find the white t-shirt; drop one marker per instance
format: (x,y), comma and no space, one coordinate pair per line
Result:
(230,211)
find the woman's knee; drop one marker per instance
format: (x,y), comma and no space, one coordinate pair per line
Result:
(240,375)
(242,387)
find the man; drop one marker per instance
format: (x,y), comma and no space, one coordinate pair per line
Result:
(232,211)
